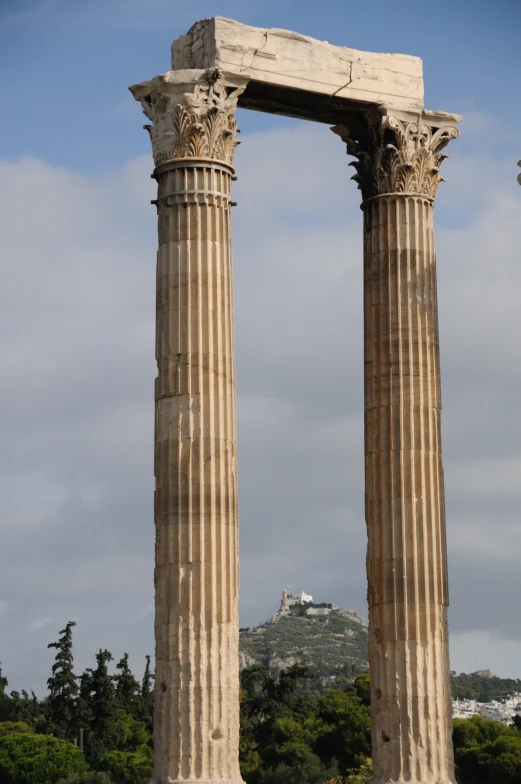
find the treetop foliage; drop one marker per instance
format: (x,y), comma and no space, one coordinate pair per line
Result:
(27,758)
(486,752)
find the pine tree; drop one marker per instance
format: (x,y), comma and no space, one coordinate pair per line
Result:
(103,733)
(28,709)
(3,682)
(127,687)
(63,689)
(146,708)
(83,705)
(5,702)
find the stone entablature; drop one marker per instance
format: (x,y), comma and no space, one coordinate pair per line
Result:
(282,59)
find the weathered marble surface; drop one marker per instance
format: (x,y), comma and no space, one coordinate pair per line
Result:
(196,706)
(278,58)
(398,172)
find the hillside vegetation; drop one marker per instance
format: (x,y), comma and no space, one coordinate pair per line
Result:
(483,688)
(334,647)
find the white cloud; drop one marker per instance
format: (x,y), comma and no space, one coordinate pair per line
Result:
(39,623)
(77,373)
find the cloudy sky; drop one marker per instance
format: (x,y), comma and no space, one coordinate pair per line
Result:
(77,251)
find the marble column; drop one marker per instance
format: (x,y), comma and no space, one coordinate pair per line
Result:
(196,715)
(397,164)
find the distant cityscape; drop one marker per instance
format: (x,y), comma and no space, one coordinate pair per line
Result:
(502,707)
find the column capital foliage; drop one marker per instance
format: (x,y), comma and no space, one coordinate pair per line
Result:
(193,115)
(396,156)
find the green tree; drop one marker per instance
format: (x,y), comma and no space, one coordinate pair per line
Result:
(271,714)
(133,735)
(362,686)
(28,709)
(344,733)
(127,687)
(252,682)
(486,752)
(477,731)
(125,767)
(13,726)
(103,733)
(92,777)
(83,705)
(145,709)
(307,771)
(505,763)
(63,688)
(292,740)
(3,682)
(482,687)
(362,775)
(5,702)
(26,758)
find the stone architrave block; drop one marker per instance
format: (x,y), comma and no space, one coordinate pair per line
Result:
(284,59)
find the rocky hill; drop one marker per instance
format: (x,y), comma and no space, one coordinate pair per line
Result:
(328,639)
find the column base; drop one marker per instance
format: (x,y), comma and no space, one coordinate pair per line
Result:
(169,780)
(428,780)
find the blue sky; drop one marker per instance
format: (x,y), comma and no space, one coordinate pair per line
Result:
(77,256)
(67,63)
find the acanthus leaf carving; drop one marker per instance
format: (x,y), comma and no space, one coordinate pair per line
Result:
(196,124)
(396,156)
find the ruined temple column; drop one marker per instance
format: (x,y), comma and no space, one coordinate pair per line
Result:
(196,714)
(397,168)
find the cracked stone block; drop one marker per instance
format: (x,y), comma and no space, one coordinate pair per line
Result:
(284,59)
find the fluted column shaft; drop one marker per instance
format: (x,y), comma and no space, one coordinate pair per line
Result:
(196,578)
(397,169)
(406,554)
(196,713)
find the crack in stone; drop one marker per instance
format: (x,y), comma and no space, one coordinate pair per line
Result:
(255,52)
(344,85)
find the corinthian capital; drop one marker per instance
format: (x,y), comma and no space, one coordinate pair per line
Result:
(396,155)
(192,114)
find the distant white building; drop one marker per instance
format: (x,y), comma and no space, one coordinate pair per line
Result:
(314,610)
(288,600)
(318,611)
(503,711)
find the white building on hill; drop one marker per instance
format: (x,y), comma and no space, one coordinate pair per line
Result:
(288,600)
